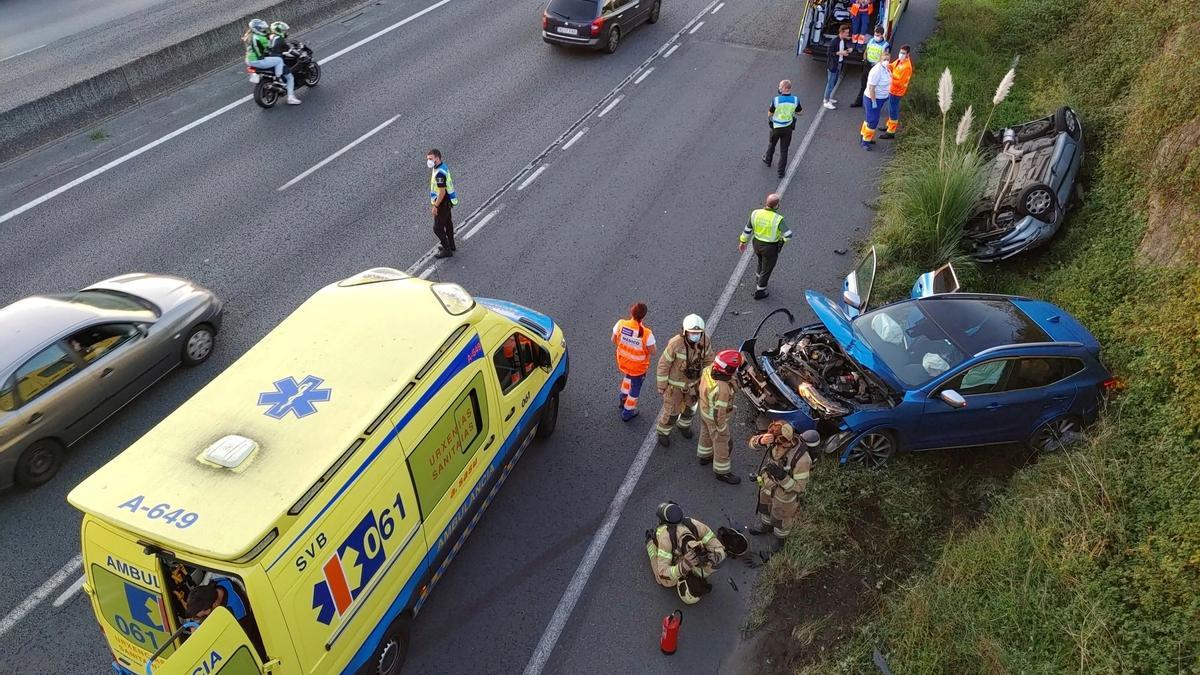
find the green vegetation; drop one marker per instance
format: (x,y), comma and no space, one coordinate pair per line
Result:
(98,135)
(1088,561)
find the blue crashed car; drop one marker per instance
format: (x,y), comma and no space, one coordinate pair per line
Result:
(942,369)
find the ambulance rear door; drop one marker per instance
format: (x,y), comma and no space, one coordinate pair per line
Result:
(218,646)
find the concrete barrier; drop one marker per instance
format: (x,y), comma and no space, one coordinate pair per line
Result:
(30,125)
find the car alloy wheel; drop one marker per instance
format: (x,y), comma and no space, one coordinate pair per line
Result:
(614,39)
(1058,434)
(872,450)
(1037,201)
(199,345)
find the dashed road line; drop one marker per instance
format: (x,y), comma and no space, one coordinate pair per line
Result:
(695,28)
(69,593)
(39,595)
(670,51)
(643,76)
(337,154)
(576,137)
(608,108)
(718,8)
(428,270)
(479,225)
(525,183)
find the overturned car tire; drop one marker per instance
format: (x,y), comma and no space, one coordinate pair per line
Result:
(1037,200)
(1065,120)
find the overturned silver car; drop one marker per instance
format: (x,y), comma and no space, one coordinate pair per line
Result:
(1031,182)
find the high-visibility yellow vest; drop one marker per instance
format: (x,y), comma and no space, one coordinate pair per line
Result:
(767,225)
(785,110)
(433,188)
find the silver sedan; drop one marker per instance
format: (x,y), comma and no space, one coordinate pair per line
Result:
(68,362)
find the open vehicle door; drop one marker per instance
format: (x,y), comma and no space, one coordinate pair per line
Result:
(856,288)
(218,645)
(941,280)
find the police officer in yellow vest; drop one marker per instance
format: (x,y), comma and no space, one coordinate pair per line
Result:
(782,122)
(872,53)
(442,198)
(770,232)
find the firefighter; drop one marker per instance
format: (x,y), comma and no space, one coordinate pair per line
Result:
(717,386)
(782,478)
(635,346)
(683,553)
(678,374)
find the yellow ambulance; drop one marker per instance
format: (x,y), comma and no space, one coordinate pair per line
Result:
(293,515)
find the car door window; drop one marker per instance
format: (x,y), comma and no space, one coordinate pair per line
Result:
(983,378)
(611,5)
(516,358)
(96,341)
(1040,372)
(7,398)
(44,371)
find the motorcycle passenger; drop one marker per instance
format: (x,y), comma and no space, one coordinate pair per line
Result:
(277,47)
(257,46)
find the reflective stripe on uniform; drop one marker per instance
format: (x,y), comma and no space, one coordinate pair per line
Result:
(786,497)
(787,484)
(802,476)
(722,467)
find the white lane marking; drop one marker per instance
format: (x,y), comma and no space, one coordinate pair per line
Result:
(479,226)
(608,108)
(525,183)
(718,8)
(643,76)
(337,154)
(670,51)
(41,593)
(31,49)
(69,593)
(695,28)
(427,272)
(192,125)
(574,138)
(579,580)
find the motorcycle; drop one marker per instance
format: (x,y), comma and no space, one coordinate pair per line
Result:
(298,61)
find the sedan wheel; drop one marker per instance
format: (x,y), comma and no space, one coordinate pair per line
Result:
(199,345)
(872,450)
(39,463)
(655,11)
(1037,201)
(1057,434)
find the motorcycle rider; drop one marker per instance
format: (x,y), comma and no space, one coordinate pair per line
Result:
(277,47)
(257,45)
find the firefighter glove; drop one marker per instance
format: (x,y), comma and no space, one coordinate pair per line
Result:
(776,472)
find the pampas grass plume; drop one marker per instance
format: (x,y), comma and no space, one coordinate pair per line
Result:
(1005,86)
(945,92)
(964,127)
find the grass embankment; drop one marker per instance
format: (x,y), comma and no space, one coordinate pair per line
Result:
(1088,561)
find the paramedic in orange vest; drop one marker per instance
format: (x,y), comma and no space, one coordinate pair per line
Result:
(861,12)
(635,346)
(902,72)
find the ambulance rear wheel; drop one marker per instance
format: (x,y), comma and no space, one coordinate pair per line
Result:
(392,649)
(549,417)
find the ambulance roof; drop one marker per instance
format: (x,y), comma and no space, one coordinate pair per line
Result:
(303,394)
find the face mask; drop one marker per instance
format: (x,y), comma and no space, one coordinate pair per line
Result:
(430,163)
(903,56)
(693,337)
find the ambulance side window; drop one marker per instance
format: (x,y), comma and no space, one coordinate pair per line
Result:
(516,358)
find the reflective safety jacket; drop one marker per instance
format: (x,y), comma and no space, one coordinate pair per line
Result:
(433,186)
(765,225)
(716,400)
(784,110)
(667,548)
(678,358)
(634,343)
(859,6)
(795,463)
(874,50)
(902,72)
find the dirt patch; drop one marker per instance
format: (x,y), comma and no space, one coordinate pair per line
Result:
(813,615)
(1173,219)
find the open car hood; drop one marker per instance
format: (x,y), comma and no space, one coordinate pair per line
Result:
(838,324)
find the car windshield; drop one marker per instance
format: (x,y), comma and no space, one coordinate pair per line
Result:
(910,344)
(110,300)
(575,9)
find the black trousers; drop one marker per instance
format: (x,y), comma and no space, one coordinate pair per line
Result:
(443,226)
(767,254)
(783,137)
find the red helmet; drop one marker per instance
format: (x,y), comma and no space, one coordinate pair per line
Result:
(727,361)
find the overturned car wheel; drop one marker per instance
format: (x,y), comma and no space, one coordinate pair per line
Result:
(872,450)
(1038,201)
(1065,120)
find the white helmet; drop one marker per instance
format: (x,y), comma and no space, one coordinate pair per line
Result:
(693,322)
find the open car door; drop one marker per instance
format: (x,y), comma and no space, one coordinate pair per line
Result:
(218,645)
(856,288)
(941,280)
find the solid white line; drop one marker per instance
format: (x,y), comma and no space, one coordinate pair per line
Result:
(579,580)
(695,28)
(337,154)
(32,49)
(192,125)
(427,272)
(479,226)
(718,8)
(574,138)
(671,51)
(40,594)
(610,106)
(69,593)
(532,178)
(643,76)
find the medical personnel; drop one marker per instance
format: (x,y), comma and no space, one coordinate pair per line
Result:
(879,82)
(635,345)
(902,72)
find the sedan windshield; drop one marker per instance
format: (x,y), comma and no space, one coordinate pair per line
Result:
(908,342)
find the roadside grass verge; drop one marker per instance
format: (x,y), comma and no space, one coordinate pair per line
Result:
(1085,561)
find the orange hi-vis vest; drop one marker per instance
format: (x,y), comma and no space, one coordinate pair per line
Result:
(902,72)
(633,341)
(856,9)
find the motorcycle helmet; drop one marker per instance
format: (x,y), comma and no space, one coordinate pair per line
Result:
(258,26)
(727,362)
(280,28)
(669,513)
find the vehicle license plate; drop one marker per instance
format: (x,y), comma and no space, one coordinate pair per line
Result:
(567,31)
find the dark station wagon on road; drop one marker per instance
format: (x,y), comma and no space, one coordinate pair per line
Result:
(596,24)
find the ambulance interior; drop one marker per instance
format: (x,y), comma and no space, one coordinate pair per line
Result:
(828,15)
(183,577)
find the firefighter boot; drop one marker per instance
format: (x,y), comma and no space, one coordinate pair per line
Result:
(761,528)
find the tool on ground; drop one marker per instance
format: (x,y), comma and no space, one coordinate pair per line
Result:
(668,642)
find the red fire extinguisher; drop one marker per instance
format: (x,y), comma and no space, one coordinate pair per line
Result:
(670,632)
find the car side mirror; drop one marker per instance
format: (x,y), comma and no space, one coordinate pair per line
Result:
(953,398)
(852,300)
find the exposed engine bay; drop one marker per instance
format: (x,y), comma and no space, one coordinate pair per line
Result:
(809,365)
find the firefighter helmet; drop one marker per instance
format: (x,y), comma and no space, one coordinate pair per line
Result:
(685,593)
(811,438)
(736,544)
(692,322)
(669,513)
(727,361)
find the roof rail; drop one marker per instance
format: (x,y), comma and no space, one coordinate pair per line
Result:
(997,348)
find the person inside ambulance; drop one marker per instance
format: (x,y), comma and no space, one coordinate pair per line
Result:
(219,592)
(683,553)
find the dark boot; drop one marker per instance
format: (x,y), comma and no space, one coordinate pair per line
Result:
(442,253)
(704,461)
(664,440)
(761,293)
(686,432)
(767,160)
(730,478)
(760,528)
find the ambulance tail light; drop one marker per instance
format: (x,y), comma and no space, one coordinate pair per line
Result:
(597,25)
(454,298)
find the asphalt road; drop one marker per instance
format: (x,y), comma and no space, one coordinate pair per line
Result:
(26,25)
(646,205)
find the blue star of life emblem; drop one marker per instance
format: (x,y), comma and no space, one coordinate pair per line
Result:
(291,396)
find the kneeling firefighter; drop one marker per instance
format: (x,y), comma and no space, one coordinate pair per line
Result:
(782,478)
(687,354)
(683,553)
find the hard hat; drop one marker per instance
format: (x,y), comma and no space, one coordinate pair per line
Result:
(258,26)
(786,431)
(727,361)
(280,28)
(669,513)
(811,438)
(693,322)
(685,593)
